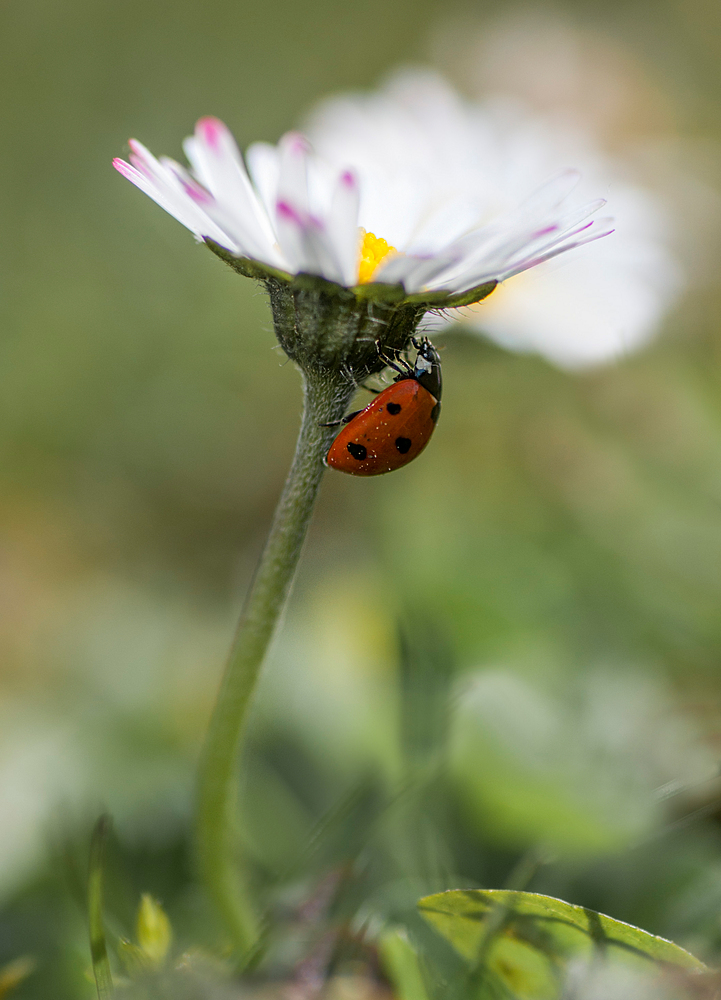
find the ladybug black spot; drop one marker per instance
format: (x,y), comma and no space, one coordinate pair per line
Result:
(402,444)
(394,408)
(358,451)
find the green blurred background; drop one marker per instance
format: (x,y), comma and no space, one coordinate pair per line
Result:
(552,564)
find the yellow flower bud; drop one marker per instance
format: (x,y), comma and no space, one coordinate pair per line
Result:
(153,930)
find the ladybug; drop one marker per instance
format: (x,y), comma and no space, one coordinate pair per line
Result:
(392,430)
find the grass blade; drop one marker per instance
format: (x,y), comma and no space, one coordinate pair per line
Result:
(98,948)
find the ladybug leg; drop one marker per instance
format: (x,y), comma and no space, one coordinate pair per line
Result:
(395,363)
(344,420)
(403,368)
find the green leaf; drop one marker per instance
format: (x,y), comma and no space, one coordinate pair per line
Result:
(98,948)
(525,940)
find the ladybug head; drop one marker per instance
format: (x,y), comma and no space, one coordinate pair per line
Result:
(427,369)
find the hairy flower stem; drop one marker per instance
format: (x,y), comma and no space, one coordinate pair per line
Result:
(326,397)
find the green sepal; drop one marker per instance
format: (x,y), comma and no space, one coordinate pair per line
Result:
(377,291)
(321,286)
(331,330)
(472,296)
(246,266)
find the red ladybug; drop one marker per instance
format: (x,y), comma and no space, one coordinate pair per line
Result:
(395,428)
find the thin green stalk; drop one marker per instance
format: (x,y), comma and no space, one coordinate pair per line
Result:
(98,948)
(325,399)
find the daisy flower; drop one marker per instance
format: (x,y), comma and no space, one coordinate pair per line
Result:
(394,192)
(429,163)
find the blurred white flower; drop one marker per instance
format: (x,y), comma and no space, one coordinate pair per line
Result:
(429,161)
(637,979)
(589,771)
(443,207)
(584,76)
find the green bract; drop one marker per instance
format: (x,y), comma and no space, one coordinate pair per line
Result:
(324,326)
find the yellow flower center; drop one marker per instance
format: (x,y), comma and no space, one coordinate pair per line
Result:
(372,252)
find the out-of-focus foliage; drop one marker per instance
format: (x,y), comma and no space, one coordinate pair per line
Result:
(508,650)
(522,942)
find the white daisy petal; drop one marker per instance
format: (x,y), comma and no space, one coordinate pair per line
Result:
(305,242)
(294,151)
(300,234)
(264,168)
(570,309)
(423,153)
(246,239)
(598,233)
(552,194)
(290,227)
(447,192)
(158,183)
(220,168)
(502,260)
(321,252)
(142,181)
(396,268)
(343,226)
(416,273)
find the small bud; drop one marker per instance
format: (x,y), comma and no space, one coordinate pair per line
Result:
(153,931)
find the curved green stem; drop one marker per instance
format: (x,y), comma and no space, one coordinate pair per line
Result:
(325,399)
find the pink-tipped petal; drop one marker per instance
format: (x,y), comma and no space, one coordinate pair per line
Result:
(293,175)
(218,165)
(318,240)
(287,213)
(168,185)
(292,204)
(306,242)
(212,130)
(342,226)
(598,233)
(124,168)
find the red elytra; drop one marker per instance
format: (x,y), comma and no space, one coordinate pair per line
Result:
(395,428)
